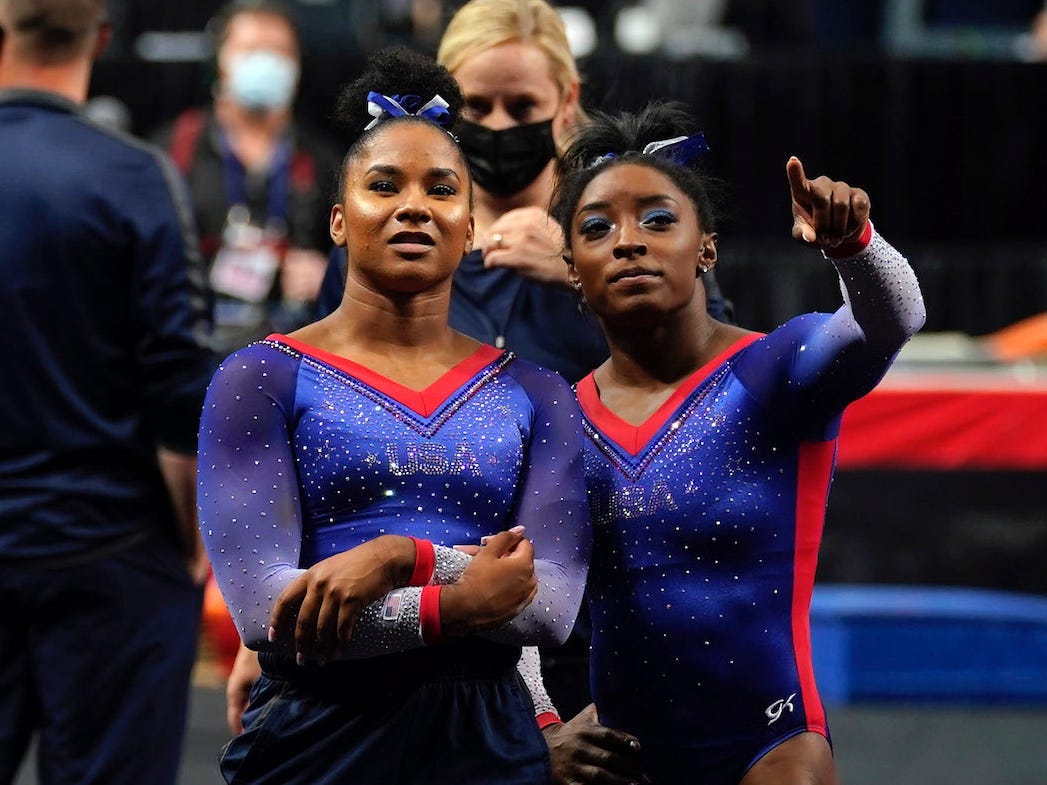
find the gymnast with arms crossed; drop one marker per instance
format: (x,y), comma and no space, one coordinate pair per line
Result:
(339,464)
(709,455)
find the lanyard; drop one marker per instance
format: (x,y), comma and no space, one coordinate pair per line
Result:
(279,192)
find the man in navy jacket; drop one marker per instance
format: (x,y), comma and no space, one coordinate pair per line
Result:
(106,362)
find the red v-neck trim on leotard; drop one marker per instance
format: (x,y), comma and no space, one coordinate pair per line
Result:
(633,438)
(425,401)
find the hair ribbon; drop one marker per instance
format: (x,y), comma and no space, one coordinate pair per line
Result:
(680,150)
(382,107)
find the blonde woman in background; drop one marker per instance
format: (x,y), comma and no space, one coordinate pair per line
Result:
(522,99)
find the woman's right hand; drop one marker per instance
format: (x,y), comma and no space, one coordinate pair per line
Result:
(827,213)
(498,583)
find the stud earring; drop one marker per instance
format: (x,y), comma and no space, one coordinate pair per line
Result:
(704,268)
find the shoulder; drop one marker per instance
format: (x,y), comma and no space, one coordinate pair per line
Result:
(545,388)
(71,125)
(135,174)
(769,367)
(796,329)
(473,259)
(530,374)
(122,143)
(262,365)
(781,347)
(130,159)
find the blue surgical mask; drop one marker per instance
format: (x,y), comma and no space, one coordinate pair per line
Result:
(263,80)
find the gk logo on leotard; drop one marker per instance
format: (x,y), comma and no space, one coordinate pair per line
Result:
(774,711)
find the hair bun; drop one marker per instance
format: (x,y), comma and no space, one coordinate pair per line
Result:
(397,74)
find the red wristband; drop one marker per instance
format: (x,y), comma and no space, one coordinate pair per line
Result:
(547,718)
(429,615)
(424,563)
(855,246)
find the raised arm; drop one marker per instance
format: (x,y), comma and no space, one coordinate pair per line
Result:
(835,359)
(882,295)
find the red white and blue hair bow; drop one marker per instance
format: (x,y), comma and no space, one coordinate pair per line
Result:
(382,107)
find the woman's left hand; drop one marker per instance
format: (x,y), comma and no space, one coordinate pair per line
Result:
(498,583)
(528,241)
(826,213)
(330,595)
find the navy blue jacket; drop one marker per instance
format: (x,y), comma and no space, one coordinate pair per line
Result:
(106,355)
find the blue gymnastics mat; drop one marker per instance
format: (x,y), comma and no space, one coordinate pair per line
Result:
(922,644)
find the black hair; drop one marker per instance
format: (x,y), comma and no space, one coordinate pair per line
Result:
(611,140)
(396,71)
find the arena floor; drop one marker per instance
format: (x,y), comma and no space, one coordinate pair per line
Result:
(901,745)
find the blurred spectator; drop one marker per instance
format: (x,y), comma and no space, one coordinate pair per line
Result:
(259,178)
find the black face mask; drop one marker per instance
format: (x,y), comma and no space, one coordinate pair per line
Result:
(507,161)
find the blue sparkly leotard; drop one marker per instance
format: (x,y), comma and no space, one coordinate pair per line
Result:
(707,520)
(304,454)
